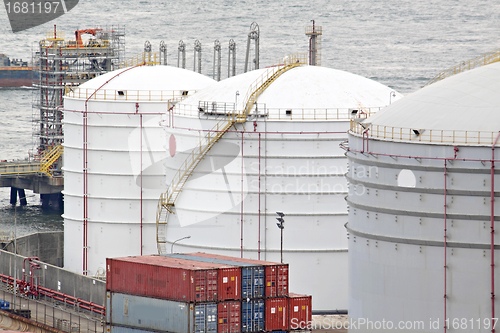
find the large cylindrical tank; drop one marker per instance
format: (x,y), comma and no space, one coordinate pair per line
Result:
(112,131)
(284,158)
(423,208)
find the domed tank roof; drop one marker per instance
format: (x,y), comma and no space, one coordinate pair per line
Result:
(302,87)
(469,101)
(150,78)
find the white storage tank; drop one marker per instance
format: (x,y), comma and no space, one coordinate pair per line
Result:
(423,209)
(284,158)
(114,148)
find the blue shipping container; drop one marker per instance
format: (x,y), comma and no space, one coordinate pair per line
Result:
(252,282)
(4,305)
(205,318)
(252,315)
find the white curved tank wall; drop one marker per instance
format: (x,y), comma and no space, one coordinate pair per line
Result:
(300,175)
(125,174)
(114,185)
(397,230)
(297,167)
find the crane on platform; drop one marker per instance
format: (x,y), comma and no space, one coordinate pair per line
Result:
(79,33)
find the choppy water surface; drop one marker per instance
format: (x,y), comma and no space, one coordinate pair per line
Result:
(400,43)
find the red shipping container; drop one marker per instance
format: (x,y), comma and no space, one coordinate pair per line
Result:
(276,274)
(300,309)
(170,278)
(228,314)
(276,314)
(277,281)
(230,283)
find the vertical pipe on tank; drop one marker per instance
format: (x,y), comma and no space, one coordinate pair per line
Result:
(259,196)
(492,227)
(85,190)
(445,243)
(85,165)
(137,105)
(241,194)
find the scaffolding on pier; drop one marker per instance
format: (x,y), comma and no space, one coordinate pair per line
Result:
(61,63)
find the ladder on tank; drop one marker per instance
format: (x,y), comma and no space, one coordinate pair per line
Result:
(167,200)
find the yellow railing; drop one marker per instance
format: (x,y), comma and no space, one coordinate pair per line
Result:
(6,236)
(19,168)
(318,30)
(43,166)
(425,135)
(267,78)
(99,44)
(50,35)
(146,58)
(50,158)
(481,60)
(124,95)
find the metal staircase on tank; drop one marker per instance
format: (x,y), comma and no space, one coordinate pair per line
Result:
(167,200)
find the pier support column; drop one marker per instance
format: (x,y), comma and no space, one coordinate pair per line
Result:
(13,195)
(22,197)
(52,201)
(45,200)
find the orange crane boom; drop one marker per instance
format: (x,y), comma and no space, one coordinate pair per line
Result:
(79,33)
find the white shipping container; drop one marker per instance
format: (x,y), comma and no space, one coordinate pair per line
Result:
(147,313)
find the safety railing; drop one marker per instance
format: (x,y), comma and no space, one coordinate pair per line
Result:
(12,168)
(42,165)
(211,108)
(320,113)
(125,95)
(268,77)
(481,60)
(98,44)
(317,30)
(424,135)
(146,58)
(49,158)
(6,236)
(45,310)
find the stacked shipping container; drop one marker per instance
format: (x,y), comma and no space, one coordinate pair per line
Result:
(201,293)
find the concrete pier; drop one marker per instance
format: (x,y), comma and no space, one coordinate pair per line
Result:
(49,188)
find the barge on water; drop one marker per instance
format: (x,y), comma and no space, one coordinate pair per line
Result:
(15,72)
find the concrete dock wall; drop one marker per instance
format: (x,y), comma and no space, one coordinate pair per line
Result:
(47,246)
